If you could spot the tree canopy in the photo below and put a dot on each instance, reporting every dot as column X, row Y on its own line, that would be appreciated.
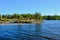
column 30, row 16
column 27, row 16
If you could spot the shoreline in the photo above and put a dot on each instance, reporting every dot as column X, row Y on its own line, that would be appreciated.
column 21, row 22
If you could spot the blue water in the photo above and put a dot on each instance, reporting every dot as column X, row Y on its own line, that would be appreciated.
column 48, row 30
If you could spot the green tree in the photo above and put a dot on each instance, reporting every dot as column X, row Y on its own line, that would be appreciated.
column 37, row 16
column 15, row 16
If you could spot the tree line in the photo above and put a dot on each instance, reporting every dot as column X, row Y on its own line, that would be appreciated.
column 30, row 16
column 54, row 17
column 22, row 16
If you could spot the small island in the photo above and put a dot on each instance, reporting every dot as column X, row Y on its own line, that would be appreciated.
column 26, row 18
column 21, row 18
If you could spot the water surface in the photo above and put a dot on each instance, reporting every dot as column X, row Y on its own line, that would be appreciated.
column 48, row 30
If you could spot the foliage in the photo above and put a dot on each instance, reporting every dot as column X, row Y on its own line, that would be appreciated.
column 27, row 16
column 54, row 17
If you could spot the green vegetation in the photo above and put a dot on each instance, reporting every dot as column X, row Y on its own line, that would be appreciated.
column 36, row 17
column 54, row 17
column 22, row 16
column 29, row 16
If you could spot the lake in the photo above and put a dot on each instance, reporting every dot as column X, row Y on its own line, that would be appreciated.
column 47, row 30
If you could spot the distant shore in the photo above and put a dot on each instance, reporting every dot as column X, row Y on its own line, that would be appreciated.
column 21, row 18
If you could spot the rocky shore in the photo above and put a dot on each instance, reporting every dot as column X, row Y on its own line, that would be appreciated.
column 20, row 21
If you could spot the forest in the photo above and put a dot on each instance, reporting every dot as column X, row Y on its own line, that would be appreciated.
column 29, row 16
column 22, row 16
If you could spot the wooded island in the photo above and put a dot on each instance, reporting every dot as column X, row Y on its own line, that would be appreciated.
column 21, row 18
column 27, row 18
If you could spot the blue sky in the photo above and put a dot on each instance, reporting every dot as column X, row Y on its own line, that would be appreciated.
column 45, row 7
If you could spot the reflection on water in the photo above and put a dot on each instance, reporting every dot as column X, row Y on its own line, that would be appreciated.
column 44, row 31
column 38, row 28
